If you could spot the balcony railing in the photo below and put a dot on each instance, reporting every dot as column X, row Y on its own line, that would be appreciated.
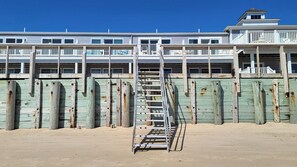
column 196, row 52
column 263, row 70
column 261, row 37
column 288, row 37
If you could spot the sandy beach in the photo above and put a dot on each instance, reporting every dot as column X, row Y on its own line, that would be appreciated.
column 194, row 145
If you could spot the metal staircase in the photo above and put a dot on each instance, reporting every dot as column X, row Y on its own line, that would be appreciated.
column 151, row 117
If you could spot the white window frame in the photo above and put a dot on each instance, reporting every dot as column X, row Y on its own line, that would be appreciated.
column 96, row 69
column 293, row 63
column 199, row 71
column 70, row 39
column 16, row 38
column 52, row 38
column 109, row 38
column 210, row 38
column 193, row 39
column 149, row 38
column 96, row 39
column 170, row 39
column 68, row 69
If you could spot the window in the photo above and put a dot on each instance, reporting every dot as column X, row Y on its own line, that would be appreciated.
column 11, row 70
column 68, row 70
column 256, row 17
column 48, row 70
column 19, row 41
column 57, row 41
column 108, row 41
column 46, row 41
column 10, row 40
column 193, row 41
column 68, row 41
column 95, row 70
column 1, row 40
column 96, row 41
column 113, row 70
column 294, row 67
column 248, row 64
column 118, row 41
column 14, row 40
column 165, row 41
column 68, row 51
column 194, row 70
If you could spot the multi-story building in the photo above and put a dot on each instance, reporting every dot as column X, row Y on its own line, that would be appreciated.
column 61, row 53
column 257, row 50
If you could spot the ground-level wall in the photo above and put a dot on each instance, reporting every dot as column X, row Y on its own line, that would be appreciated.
column 33, row 110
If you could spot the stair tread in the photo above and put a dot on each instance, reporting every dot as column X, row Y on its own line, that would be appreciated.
column 151, row 136
column 151, row 145
column 149, row 120
column 151, row 127
column 149, row 113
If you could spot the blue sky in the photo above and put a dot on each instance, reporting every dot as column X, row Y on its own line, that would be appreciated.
column 135, row 15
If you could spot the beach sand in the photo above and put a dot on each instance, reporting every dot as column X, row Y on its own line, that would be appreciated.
column 240, row 145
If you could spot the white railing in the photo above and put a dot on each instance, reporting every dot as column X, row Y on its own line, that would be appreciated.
column 167, row 123
column 198, row 52
column 261, row 37
column 288, row 37
column 263, row 70
column 135, row 75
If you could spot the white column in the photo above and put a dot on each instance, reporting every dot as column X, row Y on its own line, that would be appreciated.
column 130, row 68
column 276, row 37
column 289, row 63
column 252, row 61
column 76, row 68
column 22, row 67
column 247, row 36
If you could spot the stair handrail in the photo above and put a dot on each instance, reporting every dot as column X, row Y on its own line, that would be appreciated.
column 167, row 123
column 135, row 75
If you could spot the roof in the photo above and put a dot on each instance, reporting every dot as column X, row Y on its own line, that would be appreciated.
column 114, row 33
column 262, row 27
column 252, row 10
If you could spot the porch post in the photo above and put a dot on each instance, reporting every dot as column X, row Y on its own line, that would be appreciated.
column 22, row 67
column 76, row 68
column 284, row 70
column 252, row 61
column 258, row 62
column 289, row 63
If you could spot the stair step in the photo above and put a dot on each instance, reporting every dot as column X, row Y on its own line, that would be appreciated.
column 145, row 86
column 149, row 113
column 151, row 136
column 149, row 90
column 154, row 107
column 149, row 120
column 150, row 95
column 149, row 76
column 151, row 145
column 151, row 127
column 151, row 80
column 149, row 101
column 148, row 72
